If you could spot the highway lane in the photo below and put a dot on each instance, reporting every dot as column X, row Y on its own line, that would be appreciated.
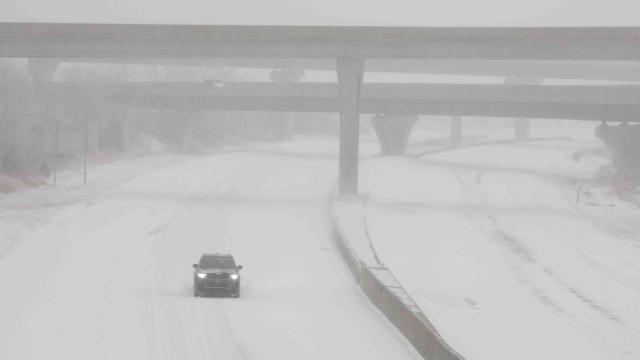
column 111, row 277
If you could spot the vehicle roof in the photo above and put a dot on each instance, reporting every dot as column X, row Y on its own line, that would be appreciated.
column 216, row 255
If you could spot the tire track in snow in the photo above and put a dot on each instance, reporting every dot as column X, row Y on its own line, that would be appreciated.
column 241, row 350
column 507, row 241
column 615, row 326
column 527, row 265
column 147, row 309
column 516, row 247
column 207, row 334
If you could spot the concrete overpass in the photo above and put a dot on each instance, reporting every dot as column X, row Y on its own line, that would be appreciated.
column 348, row 46
column 208, row 41
column 404, row 101
column 626, row 71
column 575, row 102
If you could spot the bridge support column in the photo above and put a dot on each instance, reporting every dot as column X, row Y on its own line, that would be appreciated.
column 522, row 126
column 350, row 73
column 522, row 129
column 42, row 70
column 393, row 132
column 284, row 121
column 456, row 130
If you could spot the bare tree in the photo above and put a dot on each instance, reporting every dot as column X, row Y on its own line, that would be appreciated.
column 14, row 95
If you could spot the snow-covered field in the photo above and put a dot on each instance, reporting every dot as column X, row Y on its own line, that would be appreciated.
column 503, row 257
column 104, row 272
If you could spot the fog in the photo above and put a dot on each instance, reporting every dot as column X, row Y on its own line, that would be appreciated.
column 332, row 12
column 244, row 192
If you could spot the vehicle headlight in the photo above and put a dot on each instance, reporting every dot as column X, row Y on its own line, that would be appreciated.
column 202, row 275
column 234, row 276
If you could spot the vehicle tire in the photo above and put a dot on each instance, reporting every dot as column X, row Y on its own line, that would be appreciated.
column 236, row 294
column 195, row 292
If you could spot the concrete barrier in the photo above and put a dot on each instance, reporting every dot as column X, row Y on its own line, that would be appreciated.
column 388, row 295
column 349, row 256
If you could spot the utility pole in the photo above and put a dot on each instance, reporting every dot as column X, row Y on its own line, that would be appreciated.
column 350, row 72
column 55, row 151
column 86, row 145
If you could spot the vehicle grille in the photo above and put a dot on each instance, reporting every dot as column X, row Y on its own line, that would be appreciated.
column 217, row 280
column 217, row 284
column 218, row 276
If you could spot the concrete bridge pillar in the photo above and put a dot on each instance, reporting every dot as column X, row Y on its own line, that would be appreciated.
column 42, row 70
column 522, row 126
column 284, row 121
column 522, row 129
column 393, row 132
column 111, row 134
column 350, row 72
column 456, row 130
column 624, row 143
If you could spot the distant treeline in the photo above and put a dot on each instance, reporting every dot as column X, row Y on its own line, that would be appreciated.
column 624, row 143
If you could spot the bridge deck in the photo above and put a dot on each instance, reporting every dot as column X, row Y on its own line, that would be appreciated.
column 202, row 41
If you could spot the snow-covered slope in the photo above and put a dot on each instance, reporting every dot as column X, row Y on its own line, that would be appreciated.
column 109, row 276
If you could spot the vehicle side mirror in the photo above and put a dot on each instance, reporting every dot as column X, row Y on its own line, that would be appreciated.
column 239, row 267
column 195, row 266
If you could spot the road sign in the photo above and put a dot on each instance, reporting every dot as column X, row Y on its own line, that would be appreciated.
column 66, row 137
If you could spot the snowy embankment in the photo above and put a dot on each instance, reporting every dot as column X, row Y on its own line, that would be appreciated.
column 503, row 257
column 24, row 211
column 13, row 183
column 106, row 271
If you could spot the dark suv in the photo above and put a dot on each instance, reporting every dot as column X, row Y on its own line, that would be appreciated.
column 216, row 274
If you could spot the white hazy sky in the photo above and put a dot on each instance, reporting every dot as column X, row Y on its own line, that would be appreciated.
column 331, row 12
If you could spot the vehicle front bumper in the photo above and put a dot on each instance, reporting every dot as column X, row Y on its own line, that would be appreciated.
column 212, row 286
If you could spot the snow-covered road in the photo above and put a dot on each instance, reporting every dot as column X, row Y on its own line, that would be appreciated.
column 492, row 245
column 109, row 277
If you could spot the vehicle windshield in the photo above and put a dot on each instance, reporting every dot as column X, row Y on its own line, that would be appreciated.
column 219, row 262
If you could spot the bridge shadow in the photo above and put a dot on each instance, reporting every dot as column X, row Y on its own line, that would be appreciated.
column 457, row 208
column 469, row 166
column 267, row 201
column 220, row 199
column 289, row 154
column 548, row 174
column 446, row 141
column 446, row 147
